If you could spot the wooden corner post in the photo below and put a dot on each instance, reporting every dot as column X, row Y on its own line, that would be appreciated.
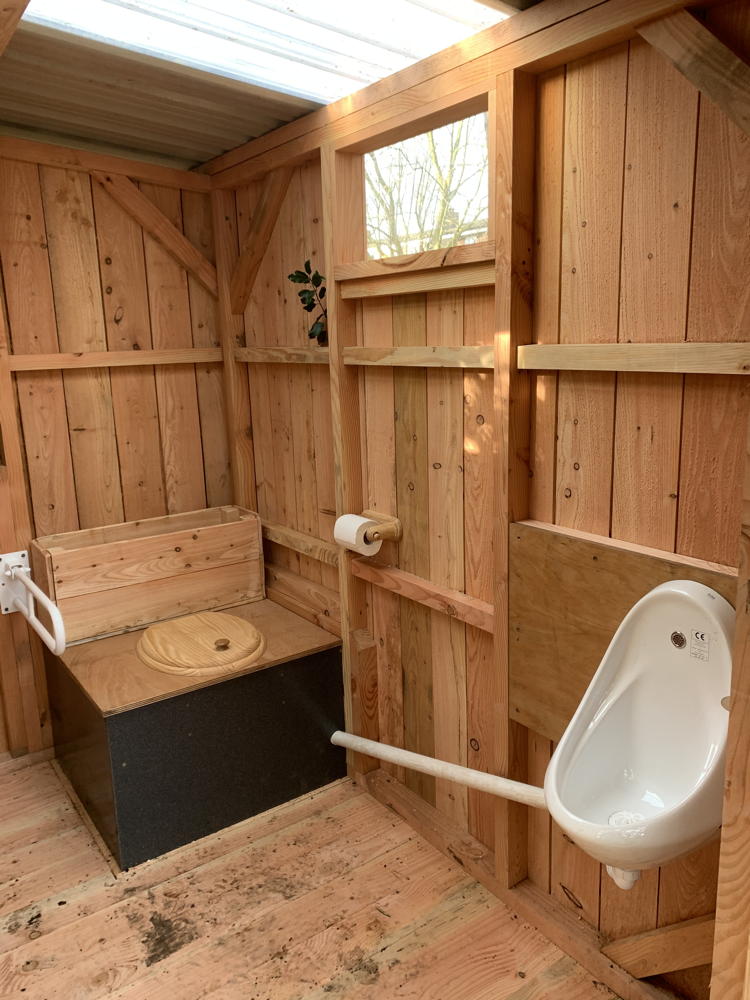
column 512, row 118
column 731, row 952
column 344, row 236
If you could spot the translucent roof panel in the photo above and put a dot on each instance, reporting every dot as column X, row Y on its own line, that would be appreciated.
column 319, row 51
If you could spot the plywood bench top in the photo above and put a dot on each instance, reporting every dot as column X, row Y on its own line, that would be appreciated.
column 116, row 680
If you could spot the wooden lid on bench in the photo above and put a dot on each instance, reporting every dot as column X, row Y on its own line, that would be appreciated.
column 209, row 642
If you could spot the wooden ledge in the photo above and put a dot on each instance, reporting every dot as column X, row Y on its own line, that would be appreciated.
column 428, row 260
column 282, row 355
column 422, row 357
column 461, row 275
column 680, row 358
column 113, row 359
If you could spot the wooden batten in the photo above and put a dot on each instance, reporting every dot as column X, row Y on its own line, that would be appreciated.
column 666, row 949
column 713, row 68
column 261, row 226
column 421, row 357
column 154, row 222
column 282, row 355
column 112, row 359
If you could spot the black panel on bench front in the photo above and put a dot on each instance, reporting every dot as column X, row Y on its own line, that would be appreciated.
column 190, row 765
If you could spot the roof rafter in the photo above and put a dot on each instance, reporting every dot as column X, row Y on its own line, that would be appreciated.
column 11, row 13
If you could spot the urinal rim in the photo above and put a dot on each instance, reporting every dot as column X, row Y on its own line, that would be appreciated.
column 723, row 615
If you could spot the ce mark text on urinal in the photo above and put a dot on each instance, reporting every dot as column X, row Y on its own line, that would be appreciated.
column 700, row 645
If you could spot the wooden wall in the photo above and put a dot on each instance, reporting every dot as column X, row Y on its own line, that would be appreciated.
column 641, row 219
column 642, row 235
column 79, row 274
column 641, row 225
column 291, row 403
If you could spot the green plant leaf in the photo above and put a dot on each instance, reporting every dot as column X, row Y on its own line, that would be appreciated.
column 308, row 267
column 309, row 306
column 299, row 277
column 322, row 292
column 317, row 281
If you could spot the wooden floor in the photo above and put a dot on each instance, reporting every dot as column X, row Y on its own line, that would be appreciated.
column 328, row 896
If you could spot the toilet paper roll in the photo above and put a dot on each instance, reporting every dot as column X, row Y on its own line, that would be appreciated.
column 349, row 531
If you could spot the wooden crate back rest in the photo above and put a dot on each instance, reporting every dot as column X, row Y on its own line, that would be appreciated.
column 569, row 591
column 120, row 577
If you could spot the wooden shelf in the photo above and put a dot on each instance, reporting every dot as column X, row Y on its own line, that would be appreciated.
column 433, row 280
column 421, row 357
column 679, row 358
column 429, row 260
column 113, row 359
column 282, row 355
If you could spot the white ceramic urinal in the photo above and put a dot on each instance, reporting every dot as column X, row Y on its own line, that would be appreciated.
column 637, row 778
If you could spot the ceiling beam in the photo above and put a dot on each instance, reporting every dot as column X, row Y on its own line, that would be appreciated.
column 11, row 12
column 509, row 8
column 705, row 61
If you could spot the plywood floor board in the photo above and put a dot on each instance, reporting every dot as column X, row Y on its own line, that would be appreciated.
column 329, row 895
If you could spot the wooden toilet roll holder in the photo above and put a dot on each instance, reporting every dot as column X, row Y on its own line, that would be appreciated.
column 388, row 530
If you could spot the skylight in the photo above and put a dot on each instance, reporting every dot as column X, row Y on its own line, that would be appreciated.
column 319, row 51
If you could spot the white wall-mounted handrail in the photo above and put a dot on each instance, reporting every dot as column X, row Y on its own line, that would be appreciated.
column 505, row 788
column 19, row 593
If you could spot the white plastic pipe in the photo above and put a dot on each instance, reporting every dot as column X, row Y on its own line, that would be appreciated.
column 505, row 788
column 54, row 641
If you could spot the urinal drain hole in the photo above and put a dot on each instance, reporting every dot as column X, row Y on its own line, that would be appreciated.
column 625, row 817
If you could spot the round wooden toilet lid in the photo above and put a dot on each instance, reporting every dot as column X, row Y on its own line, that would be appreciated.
column 209, row 642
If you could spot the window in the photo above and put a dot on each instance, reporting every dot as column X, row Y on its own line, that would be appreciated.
column 429, row 192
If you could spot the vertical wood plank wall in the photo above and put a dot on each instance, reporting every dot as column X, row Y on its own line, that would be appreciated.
column 291, row 404
column 642, row 235
column 641, row 211
column 105, row 445
column 642, row 200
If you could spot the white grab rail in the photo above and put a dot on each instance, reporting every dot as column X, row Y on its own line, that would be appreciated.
column 517, row 791
column 18, row 592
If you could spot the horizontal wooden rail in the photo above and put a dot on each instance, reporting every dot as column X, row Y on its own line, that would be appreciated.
column 429, row 260
column 113, row 359
column 306, row 598
column 666, row 949
column 306, row 545
column 421, row 357
column 451, row 602
column 701, row 359
column 282, row 355
column 434, row 280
